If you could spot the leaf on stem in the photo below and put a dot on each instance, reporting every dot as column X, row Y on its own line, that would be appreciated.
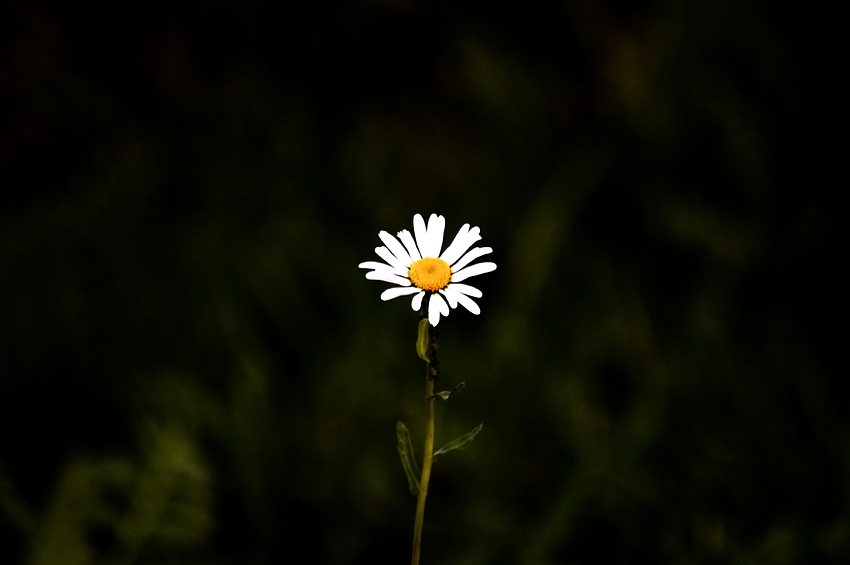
column 446, row 394
column 422, row 340
column 458, row 443
column 405, row 451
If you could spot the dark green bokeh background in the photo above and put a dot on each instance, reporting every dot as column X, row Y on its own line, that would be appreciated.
column 194, row 371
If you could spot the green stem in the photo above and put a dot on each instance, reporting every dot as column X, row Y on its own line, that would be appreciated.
column 428, row 458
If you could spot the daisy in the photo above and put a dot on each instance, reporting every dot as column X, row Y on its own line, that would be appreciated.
column 418, row 267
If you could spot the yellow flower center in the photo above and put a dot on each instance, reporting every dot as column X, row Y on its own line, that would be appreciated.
column 430, row 274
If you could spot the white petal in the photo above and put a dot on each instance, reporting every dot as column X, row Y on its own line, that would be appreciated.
column 434, row 238
column 470, row 257
column 451, row 297
column 465, row 289
column 391, row 293
column 387, row 277
column 436, row 307
column 468, row 303
column 396, row 248
column 375, row 265
column 459, row 245
column 416, row 303
column 477, row 269
column 421, row 233
column 385, row 270
column 441, row 304
column 410, row 245
column 392, row 260
column 469, row 238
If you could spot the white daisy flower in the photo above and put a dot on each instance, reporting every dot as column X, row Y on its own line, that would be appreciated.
column 418, row 267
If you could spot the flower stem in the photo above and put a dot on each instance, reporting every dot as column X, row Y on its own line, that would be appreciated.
column 428, row 458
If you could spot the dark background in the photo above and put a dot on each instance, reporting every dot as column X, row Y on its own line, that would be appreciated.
column 194, row 371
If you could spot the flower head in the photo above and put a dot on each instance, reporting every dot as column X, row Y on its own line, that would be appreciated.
column 418, row 267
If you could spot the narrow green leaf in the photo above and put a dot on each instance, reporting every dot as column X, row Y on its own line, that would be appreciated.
column 458, row 443
column 405, row 451
column 422, row 342
column 446, row 394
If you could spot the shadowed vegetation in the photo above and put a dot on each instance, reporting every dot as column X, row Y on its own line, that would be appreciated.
column 194, row 371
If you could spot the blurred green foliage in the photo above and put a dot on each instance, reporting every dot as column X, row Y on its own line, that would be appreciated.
column 194, row 371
